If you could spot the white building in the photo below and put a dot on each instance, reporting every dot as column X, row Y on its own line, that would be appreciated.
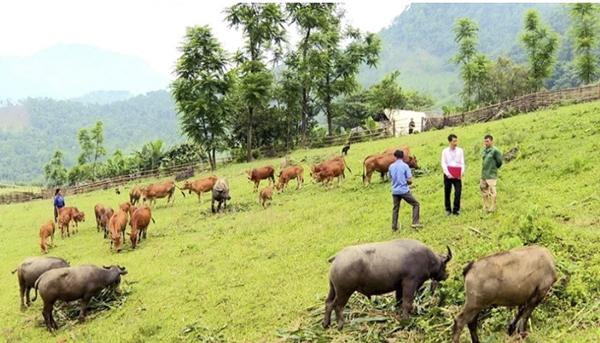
column 401, row 118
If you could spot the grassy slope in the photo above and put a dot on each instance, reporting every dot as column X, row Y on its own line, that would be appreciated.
column 258, row 270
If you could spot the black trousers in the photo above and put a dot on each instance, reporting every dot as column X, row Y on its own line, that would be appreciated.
column 448, row 183
column 409, row 198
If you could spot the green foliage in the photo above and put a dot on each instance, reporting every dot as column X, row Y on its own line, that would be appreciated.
column 585, row 18
column 386, row 94
column 201, row 90
column 534, row 228
column 541, row 44
column 54, row 171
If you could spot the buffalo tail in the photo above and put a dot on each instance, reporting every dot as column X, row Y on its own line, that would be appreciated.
column 467, row 268
column 35, row 286
column 14, row 271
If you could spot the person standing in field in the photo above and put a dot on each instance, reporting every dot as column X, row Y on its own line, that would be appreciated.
column 411, row 126
column 453, row 165
column 401, row 177
column 59, row 202
column 492, row 161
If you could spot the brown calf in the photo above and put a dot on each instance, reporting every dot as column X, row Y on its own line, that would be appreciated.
column 139, row 224
column 47, row 230
column 200, row 186
column 134, row 195
column 290, row 173
column 264, row 195
column 117, row 225
column 258, row 174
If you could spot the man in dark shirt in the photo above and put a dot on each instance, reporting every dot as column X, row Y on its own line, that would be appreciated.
column 59, row 202
column 492, row 161
column 402, row 177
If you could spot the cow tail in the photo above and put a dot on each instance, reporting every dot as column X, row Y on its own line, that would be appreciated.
column 153, row 220
column 346, row 165
column 35, row 286
column 364, row 168
column 467, row 268
column 179, row 189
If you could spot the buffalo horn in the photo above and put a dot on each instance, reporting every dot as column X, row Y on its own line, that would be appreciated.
column 449, row 257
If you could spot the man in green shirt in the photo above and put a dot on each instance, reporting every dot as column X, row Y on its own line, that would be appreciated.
column 492, row 160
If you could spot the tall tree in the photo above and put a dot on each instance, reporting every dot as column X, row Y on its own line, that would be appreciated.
column 541, row 44
column 201, row 90
column 585, row 31
column 474, row 69
column 91, row 146
column 313, row 21
column 54, row 171
column 263, row 30
column 508, row 80
column 387, row 94
column 340, row 65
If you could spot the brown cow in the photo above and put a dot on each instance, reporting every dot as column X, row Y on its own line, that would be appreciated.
column 134, row 195
column 339, row 160
column 378, row 163
column 290, row 173
column 410, row 160
column 327, row 173
column 73, row 214
column 200, row 186
column 264, row 195
column 64, row 218
column 99, row 211
column 139, row 224
column 47, row 230
column 257, row 174
column 117, row 225
column 161, row 190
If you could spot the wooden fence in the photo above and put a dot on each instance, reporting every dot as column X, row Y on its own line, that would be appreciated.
column 526, row 103
column 19, row 197
column 327, row 141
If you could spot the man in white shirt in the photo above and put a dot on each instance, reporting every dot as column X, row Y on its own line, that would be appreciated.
column 453, row 165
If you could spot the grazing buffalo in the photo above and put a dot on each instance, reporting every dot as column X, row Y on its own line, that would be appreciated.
column 220, row 194
column 377, row 163
column 134, row 195
column 47, row 230
column 290, row 173
column 161, row 190
column 117, row 226
column 257, row 174
column 519, row 277
column 31, row 269
column 401, row 265
column 140, row 219
column 200, row 186
column 408, row 159
column 74, row 283
column 264, row 195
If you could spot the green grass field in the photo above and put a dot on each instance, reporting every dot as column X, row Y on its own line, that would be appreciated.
column 245, row 274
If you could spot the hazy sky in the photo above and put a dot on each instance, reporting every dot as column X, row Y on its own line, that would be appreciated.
column 151, row 29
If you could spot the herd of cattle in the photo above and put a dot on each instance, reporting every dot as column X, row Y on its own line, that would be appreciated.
column 519, row 277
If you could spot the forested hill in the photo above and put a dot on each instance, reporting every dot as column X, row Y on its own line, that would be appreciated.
column 420, row 42
column 32, row 131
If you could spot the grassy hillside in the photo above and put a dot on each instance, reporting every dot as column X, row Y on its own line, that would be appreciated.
column 245, row 274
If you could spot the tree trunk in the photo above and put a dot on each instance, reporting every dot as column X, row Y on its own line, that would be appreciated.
column 212, row 160
column 328, row 110
column 304, row 116
column 249, row 136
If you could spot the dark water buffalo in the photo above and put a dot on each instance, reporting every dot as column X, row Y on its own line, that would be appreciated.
column 74, row 283
column 401, row 265
column 520, row 277
column 31, row 269
column 220, row 194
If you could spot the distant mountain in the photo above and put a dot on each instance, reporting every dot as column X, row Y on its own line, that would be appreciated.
column 103, row 97
column 420, row 42
column 69, row 71
column 33, row 129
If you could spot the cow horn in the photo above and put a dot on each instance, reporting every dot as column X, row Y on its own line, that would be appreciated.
column 449, row 257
